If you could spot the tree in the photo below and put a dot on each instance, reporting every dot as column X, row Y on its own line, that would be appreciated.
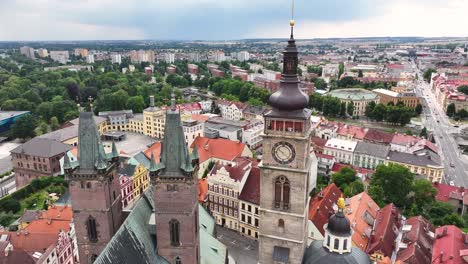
column 348, row 182
column 369, row 108
column 423, row 132
column 320, row 84
column 418, row 110
column 428, row 74
column 340, row 69
column 343, row 109
column 54, row 123
column 315, row 69
column 24, row 127
column 451, row 110
column 316, row 101
column 462, row 113
column 395, row 182
column 360, row 74
column 463, row 89
column 350, row 108
column 422, row 195
column 136, row 103
column 331, row 106
column 11, row 205
column 379, row 113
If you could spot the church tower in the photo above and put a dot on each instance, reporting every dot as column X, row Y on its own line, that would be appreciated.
column 175, row 182
column 94, row 190
column 288, row 169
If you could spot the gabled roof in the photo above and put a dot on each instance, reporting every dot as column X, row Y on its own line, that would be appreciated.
column 361, row 212
column 202, row 190
column 446, row 192
column 219, row 148
column 372, row 149
column 321, row 206
column 236, row 171
column 386, row 229
column 58, row 213
column 353, row 131
column 42, row 147
column 16, row 256
column 378, row 136
column 449, row 246
column 419, row 240
column 155, row 148
column 251, row 191
column 29, row 215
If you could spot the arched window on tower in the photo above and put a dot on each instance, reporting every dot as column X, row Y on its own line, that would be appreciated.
column 178, row 260
column 92, row 229
column 282, row 193
column 337, row 243
column 174, row 228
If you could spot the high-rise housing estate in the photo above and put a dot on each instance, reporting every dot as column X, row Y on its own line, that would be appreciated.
column 243, row 56
column 60, row 56
column 116, row 58
column 94, row 190
column 169, row 57
column 288, row 171
column 195, row 56
column 42, row 53
column 142, row 56
column 81, row 52
column 219, row 56
column 27, row 51
column 90, row 58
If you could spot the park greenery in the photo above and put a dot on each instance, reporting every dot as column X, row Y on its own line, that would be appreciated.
column 452, row 112
column 34, row 196
column 348, row 182
column 397, row 114
column 428, row 73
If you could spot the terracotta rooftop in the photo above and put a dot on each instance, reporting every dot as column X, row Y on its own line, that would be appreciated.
column 419, row 240
column 353, row 131
column 251, row 191
column 378, row 136
column 321, row 206
column 16, row 257
column 219, row 148
column 236, row 171
column 199, row 118
column 156, row 150
column 202, row 190
column 60, row 213
column 361, row 212
column 449, row 245
column 386, row 229
column 402, row 139
column 446, row 192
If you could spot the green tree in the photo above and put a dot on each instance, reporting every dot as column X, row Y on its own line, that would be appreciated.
column 418, row 110
column 379, row 113
column 136, row 103
column 451, row 110
column 340, row 69
column 360, row 74
column 24, row 127
column 428, row 73
column 423, row 132
column 331, row 106
column 463, row 89
column 11, row 205
column 355, row 187
column 344, row 177
column 462, row 113
column 316, row 101
column 395, row 182
column 369, row 108
column 54, row 123
column 343, row 109
column 320, row 84
column 315, row 69
column 350, row 108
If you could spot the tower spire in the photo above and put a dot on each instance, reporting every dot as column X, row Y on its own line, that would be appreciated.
column 291, row 22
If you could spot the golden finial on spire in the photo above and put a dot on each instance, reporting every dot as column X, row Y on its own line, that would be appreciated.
column 341, row 203
column 292, row 22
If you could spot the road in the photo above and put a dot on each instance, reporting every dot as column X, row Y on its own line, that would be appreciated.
column 435, row 119
column 243, row 250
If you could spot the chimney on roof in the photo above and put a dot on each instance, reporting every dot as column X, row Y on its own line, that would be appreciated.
column 152, row 100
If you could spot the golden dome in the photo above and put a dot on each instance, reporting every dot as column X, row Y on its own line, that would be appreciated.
column 291, row 22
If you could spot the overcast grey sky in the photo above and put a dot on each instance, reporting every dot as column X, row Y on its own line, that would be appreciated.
column 227, row 19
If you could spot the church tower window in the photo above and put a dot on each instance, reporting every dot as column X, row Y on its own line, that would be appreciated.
column 92, row 229
column 282, row 193
column 174, row 227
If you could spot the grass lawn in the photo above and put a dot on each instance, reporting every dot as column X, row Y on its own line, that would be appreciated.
column 35, row 201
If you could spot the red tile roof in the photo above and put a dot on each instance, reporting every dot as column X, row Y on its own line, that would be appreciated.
column 199, row 118
column 219, row 148
column 251, row 191
column 202, row 190
column 448, row 245
column 419, row 241
column 446, row 192
column 378, row 136
column 353, row 131
column 386, row 228
column 321, row 206
column 324, row 156
column 361, row 212
column 155, row 149
column 318, row 143
column 402, row 139
column 237, row 171
column 63, row 213
column 16, row 257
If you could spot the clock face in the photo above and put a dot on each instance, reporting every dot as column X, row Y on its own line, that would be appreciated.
column 283, row 152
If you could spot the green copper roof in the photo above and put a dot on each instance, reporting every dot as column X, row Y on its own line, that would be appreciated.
column 194, row 155
column 211, row 250
column 66, row 162
column 174, row 154
column 88, row 142
column 153, row 165
column 101, row 162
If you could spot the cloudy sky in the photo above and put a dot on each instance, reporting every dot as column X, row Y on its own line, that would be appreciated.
column 227, row 19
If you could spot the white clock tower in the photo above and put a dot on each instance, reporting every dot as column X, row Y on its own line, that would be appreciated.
column 288, row 169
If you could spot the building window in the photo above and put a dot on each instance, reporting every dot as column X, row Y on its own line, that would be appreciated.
column 282, row 188
column 281, row 223
column 328, row 241
column 92, row 229
column 174, row 227
column 178, row 260
column 88, row 185
column 337, row 243
column 345, row 244
column 256, row 222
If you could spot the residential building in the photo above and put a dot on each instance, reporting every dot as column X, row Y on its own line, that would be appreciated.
column 249, row 200
column 94, row 190
column 252, row 134
column 219, row 56
column 450, row 245
column 169, row 57
column 321, row 206
column 455, row 196
column 42, row 53
column 416, row 243
column 192, row 69
column 28, row 52
column 81, row 52
column 231, row 110
column 386, row 229
column 423, row 163
column 37, row 157
column 350, row 132
column 369, row 155
column 195, row 57
column 341, row 149
column 192, row 129
column 90, row 58
column 59, row 56
column 378, row 136
column 126, row 184
column 409, row 99
column 361, row 211
column 360, row 98
column 116, row 58
column 8, row 118
column 153, row 121
column 325, row 163
column 243, row 56
column 225, row 183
